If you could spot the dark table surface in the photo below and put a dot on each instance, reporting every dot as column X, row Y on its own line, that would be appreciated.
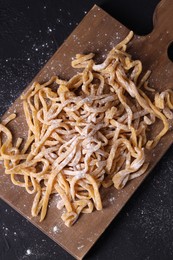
column 30, row 32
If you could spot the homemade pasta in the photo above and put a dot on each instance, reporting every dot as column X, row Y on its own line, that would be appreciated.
column 84, row 133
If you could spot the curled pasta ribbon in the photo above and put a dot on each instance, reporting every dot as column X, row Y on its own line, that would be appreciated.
column 84, row 133
column 164, row 101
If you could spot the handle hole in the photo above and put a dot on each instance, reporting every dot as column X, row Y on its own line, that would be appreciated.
column 136, row 15
column 170, row 51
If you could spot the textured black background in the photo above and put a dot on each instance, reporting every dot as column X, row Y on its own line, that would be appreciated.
column 30, row 32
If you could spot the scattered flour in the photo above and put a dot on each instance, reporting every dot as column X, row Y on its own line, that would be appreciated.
column 80, row 247
column 56, row 229
column 28, row 252
column 112, row 199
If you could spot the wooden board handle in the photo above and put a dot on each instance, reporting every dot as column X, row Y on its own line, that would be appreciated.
column 163, row 25
column 152, row 49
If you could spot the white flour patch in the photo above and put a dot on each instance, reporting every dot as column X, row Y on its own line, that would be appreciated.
column 80, row 247
column 28, row 252
column 56, row 229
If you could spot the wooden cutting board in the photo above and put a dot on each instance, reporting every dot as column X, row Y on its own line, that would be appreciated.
column 98, row 32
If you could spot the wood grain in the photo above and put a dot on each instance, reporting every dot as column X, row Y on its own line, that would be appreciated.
column 98, row 32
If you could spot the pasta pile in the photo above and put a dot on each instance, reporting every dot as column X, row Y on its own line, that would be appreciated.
column 84, row 133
